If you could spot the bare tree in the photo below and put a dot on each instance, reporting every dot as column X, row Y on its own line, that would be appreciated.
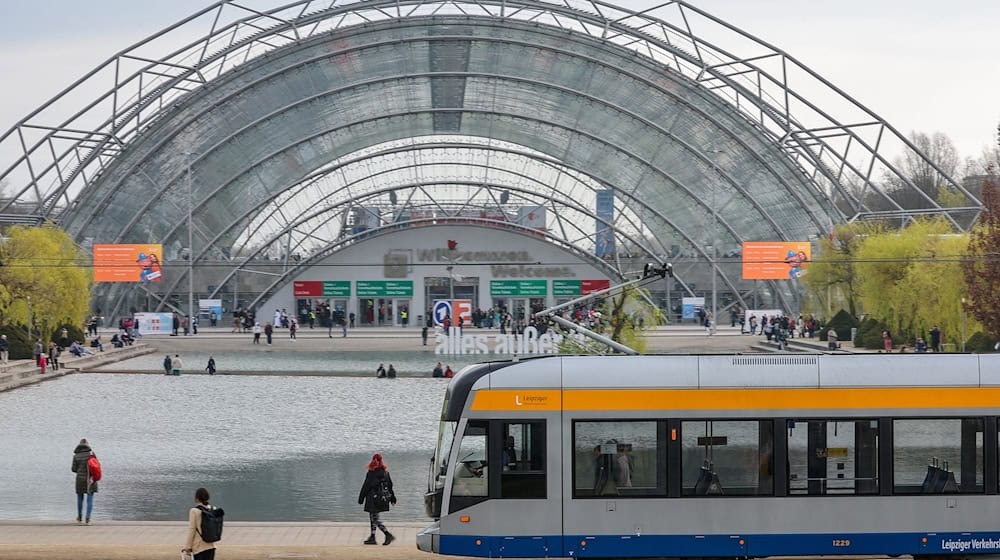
column 940, row 153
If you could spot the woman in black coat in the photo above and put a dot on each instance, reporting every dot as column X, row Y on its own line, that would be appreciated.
column 376, row 494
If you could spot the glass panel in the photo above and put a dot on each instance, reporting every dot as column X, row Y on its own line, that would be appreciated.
column 728, row 457
column 523, row 460
column 832, row 457
column 471, row 469
column 938, row 456
column 446, row 437
column 617, row 458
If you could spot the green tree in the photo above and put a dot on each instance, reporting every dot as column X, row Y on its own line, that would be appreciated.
column 982, row 268
column 908, row 278
column 43, row 264
column 832, row 274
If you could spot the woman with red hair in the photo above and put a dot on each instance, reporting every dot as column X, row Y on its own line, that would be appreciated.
column 377, row 494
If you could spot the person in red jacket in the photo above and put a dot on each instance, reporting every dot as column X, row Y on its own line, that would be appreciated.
column 448, row 372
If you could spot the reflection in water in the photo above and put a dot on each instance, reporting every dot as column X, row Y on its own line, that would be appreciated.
column 268, row 448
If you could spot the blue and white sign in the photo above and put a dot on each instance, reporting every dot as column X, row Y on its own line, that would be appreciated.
column 442, row 309
column 690, row 307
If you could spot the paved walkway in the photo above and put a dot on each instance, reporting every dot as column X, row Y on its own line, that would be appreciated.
column 153, row 540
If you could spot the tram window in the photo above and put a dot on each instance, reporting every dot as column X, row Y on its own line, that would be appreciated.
column 938, row 456
column 523, row 460
column 471, row 468
column 618, row 458
column 827, row 456
column 727, row 457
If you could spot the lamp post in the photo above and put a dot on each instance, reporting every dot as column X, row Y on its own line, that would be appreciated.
column 190, row 220
column 28, row 299
column 963, row 324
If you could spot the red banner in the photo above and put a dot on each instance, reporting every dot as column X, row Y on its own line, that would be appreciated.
column 307, row 289
column 591, row 286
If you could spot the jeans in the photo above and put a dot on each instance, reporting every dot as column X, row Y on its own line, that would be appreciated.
column 79, row 504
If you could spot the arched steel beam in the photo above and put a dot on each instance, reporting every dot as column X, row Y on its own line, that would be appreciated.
column 818, row 197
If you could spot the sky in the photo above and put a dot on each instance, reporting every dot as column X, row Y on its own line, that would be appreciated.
column 922, row 65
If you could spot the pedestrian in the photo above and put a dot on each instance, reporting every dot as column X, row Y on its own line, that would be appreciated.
column 268, row 332
column 186, row 325
column 921, row 346
column 177, row 365
column 292, row 328
column 935, row 339
column 64, row 337
column 438, row 371
column 4, row 348
column 175, row 323
column 832, row 340
column 380, row 372
column 43, row 361
column 256, row 333
column 194, row 325
column 168, row 365
column 211, row 365
column 377, row 495
column 423, row 334
column 212, row 317
column 343, row 326
column 38, row 352
column 85, row 483
column 352, row 316
column 195, row 545
column 448, row 372
column 886, row 340
column 391, row 374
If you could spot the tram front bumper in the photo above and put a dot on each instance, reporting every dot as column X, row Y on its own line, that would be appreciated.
column 428, row 539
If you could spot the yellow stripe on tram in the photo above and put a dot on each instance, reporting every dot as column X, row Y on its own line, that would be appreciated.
column 737, row 399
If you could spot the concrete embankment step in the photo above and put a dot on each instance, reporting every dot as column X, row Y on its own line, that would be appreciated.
column 25, row 372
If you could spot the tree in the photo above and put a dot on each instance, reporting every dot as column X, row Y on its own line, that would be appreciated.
column 982, row 268
column 44, row 264
column 940, row 151
column 908, row 278
column 832, row 274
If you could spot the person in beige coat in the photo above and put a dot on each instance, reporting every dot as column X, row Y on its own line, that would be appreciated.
column 200, row 549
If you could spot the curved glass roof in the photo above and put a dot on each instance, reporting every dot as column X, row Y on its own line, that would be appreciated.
column 445, row 113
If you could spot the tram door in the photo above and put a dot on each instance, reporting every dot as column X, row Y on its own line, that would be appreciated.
column 524, row 490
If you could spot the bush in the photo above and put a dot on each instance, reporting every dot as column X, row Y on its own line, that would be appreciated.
column 75, row 333
column 842, row 323
column 20, row 345
column 864, row 331
column 980, row 343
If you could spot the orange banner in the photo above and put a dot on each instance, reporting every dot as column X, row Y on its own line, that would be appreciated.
column 775, row 260
column 127, row 263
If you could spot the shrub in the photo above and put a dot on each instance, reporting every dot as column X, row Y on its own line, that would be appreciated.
column 74, row 332
column 865, row 329
column 842, row 323
column 20, row 345
column 980, row 343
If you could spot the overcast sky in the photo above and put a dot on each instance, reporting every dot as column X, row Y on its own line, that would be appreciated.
column 922, row 65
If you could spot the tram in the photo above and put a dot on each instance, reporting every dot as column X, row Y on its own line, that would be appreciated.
column 718, row 456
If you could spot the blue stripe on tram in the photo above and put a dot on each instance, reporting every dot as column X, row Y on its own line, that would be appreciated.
column 602, row 546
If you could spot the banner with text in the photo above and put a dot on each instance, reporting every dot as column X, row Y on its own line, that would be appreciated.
column 775, row 260
column 154, row 323
column 128, row 263
column 577, row 288
column 325, row 288
column 384, row 288
column 519, row 288
column 690, row 307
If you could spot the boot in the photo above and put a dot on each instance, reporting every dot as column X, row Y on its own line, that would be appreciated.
column 371, row 539
column 388, row 538
column 79, row 519
column 88, row 521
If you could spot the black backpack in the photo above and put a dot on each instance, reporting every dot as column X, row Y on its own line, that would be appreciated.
column 381, row 494
column 211, row 524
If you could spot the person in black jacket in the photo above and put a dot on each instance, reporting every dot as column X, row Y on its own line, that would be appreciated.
column 376, row 494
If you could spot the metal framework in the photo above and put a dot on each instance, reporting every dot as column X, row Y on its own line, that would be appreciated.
column 710, row 115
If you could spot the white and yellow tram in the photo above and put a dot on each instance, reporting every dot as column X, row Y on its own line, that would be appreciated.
column 718, row 456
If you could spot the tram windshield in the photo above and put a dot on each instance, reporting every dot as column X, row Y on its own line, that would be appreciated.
column 446, row 437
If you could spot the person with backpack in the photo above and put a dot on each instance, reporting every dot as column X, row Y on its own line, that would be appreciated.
column 377, row 495
column 88, row 472
column 204, row 527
